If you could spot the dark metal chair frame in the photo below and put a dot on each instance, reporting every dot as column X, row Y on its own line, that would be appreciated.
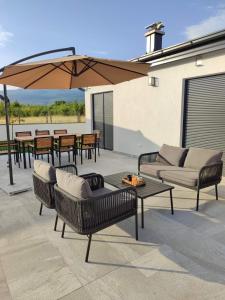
column 89, row 216
column 210, row 175
column 59, row 147
column 35, row 150
column 44, row 190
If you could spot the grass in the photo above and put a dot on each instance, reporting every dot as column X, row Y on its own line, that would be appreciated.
column 45, row 120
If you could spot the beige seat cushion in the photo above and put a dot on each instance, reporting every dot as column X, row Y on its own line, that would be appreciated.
column 186, row 176
column 74, row 185
column 171, row 155
column 45, row 170
column 198, row 158
column 155, row 168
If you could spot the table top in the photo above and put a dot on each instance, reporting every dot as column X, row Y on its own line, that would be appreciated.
column 152, row 187
column 31, row 138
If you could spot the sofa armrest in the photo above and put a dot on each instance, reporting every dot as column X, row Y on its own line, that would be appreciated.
column 146, row 158
column 44, row 190
column 210, row 174
column 93, row 214
column 96, row 181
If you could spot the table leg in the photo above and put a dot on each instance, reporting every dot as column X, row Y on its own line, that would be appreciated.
column 171, row 202
column 24, row 156
column 142, row 213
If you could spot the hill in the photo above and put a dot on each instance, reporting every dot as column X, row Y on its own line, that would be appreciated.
column 45, row 97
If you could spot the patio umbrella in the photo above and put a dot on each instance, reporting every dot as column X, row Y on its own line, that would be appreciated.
column 73, row 71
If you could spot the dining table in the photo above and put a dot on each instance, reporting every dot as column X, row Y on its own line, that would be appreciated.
column 24, row 140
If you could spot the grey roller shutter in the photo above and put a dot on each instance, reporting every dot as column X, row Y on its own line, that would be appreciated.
column 204, row 113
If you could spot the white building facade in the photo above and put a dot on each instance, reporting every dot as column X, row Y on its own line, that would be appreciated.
column 145, row 116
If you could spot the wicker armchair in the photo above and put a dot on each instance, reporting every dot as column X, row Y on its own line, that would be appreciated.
column 89, row 216
column 44, row 190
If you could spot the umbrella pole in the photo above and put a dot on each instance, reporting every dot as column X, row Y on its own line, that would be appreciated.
column 8, row 134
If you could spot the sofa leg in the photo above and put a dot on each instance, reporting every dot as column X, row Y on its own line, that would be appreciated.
column 136, row 226
column 197, row 200
column 63, row 229
column 88, row 247
column 216, row 190
column 56, row 221
column 40, row 211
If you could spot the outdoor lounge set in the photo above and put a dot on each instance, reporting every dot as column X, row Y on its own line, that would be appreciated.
column 83, row 203
column 194, row 168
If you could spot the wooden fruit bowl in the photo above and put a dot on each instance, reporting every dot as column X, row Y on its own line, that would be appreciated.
column 136, row 184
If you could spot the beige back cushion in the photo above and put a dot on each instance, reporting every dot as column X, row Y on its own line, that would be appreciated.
column 45, row 170
column 74, row 185
column 171, row 155
column 198, row 158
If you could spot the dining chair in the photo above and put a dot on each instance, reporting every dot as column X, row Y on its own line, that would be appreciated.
column 60, row 131
column 88, row 144
column 14, row 147
column 22, row 134
column 42, row 132
column 42, row 146
column 66, row 143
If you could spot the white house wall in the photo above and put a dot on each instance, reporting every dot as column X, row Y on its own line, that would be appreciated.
column 145, row 117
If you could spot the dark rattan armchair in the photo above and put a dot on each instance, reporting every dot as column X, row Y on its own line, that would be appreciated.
column 44, row 190
column 89, row 216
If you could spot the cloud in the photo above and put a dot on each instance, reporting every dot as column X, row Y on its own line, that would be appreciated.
column 5, row 36
column 211, row 24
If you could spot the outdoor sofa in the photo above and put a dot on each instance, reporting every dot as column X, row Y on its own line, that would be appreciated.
column 194, row 168
column 82, row 202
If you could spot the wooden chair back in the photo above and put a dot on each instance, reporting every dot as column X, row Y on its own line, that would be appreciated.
column 44, row 142
column 23, row 133
column 42, row 132
column 60, row 131
column 67, row 140
column 88, row 139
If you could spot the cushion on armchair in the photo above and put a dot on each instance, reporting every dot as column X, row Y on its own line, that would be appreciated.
column 73, row 184
column 171, row 155
column 44, row 170
column 199, row 157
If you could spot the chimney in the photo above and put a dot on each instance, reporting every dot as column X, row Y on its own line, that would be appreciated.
column 154, row 37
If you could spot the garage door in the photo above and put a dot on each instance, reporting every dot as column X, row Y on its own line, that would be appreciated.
column 204, row 113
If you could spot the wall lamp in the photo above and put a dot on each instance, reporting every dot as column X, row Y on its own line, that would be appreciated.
column 153, row 81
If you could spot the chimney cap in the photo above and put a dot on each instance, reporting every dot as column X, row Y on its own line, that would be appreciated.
column 155, row 26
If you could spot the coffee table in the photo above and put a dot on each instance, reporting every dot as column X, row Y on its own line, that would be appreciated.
column 151, row 188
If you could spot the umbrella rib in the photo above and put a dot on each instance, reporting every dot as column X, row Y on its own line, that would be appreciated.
column 20, row 72
column 117, row 67
column 59, row 67
column 87, row 66
column 39, row 78
column 66, row 67
column 90, row 67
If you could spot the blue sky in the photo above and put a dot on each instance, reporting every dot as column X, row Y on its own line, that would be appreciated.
column 104, row 28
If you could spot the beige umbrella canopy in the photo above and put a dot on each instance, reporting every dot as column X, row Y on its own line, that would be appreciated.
column 74, row 71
